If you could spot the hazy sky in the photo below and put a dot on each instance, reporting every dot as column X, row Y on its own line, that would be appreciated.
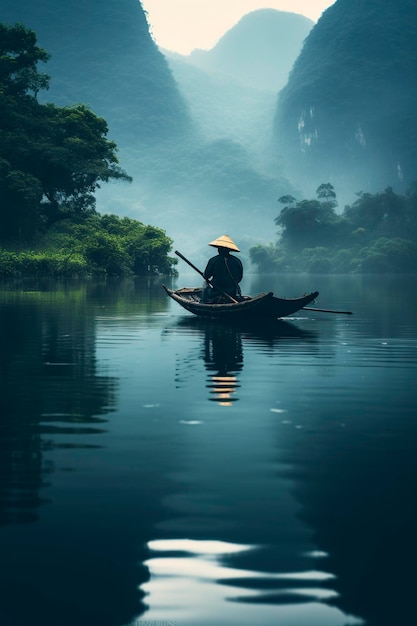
column 182, row 25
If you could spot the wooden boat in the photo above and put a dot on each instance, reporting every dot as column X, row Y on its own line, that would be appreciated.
column 264, row 306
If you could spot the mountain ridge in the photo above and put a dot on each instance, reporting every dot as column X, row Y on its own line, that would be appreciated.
column 231, row 89
column 248, row 51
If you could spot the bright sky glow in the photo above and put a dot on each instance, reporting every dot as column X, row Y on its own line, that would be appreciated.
column 182, row 25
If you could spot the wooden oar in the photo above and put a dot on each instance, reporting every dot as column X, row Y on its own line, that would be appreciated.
column 307, row 308
column 206, row 279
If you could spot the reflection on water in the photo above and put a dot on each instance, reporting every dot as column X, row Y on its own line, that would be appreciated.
column 223, row 357
column 184, row 571
column 47, row 367
column 68, row 565
column 235, row 537
column 154, row 466
column 223, row 350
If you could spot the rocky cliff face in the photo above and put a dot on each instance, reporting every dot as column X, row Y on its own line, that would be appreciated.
column 348, row 114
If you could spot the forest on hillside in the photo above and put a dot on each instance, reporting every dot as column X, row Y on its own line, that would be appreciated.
column 52, row 161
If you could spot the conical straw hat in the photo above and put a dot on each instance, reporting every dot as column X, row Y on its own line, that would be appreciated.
column 224, row 241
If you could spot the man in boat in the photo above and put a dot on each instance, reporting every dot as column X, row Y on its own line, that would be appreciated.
column 224, row 271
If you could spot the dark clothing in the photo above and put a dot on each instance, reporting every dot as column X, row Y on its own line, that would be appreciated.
column 225, row 272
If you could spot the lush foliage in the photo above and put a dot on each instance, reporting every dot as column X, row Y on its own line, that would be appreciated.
column 377, row 233
column 99, row 245
column 52, row 159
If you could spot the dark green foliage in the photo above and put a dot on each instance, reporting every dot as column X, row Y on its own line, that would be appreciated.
column 19, row 56
column 125, row 246
column 317, row 260
column 42, row 263
column 271, row 257
column 75, row 159
column 385, row 213
column 52, row 159
column 389, row 255
column 98, row 245
column 309, row 222
column 378, row 233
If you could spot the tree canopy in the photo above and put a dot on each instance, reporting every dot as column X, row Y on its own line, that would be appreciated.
column 377, row 233
column 52, row 159
column 19, row 57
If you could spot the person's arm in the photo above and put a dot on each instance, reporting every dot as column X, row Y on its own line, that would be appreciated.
column 240, row 271
column 237, row 269
column 208, row 272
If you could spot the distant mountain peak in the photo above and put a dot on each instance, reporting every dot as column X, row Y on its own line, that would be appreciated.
column 259, row 51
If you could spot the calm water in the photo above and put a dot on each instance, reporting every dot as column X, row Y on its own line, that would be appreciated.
column 156, row 469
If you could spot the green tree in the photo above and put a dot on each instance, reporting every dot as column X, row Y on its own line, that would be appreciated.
column 327, row 196
column 267, row 258
column 74, row 160
column 389, row 255
column 19, row 57
column 287, row 200
column 308, row 223
column 383, row 214
column 326, row 191
column 378, row 233
column 111, row 245
column 52, row 159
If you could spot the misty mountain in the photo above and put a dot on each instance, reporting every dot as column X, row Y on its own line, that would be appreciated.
column 192, row 186
column 231, row 89
column 259, row 51
column 348, row 114
column 224, row 108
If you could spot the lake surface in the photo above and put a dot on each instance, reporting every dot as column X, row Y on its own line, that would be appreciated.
column 158, row 469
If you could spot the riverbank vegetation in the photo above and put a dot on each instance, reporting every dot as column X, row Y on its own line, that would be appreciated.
column 99, row 245
column 376, row 234
column 52, row 161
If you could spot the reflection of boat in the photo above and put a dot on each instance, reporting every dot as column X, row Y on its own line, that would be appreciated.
column 266, row 334
column 265, row 306
column 222, row 348
column 223, row 356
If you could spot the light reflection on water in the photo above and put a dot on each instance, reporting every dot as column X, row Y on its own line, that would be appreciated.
column 230, row 492
column 162, row 468
column 186, row 574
